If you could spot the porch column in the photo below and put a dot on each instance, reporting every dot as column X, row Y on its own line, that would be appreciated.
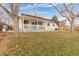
column 22, row 24
column 30, row 25
column 37, row 25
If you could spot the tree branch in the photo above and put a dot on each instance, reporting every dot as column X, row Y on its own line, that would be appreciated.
column 58, row 10
column 6, row 10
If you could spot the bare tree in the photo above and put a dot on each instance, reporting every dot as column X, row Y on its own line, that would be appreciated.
column 13, row 13
column 14, row 7
column 68, row 12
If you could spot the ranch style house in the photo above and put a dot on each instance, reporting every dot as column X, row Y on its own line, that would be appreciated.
column 30, row 23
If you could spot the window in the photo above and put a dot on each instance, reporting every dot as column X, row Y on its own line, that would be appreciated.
column 26, row 22
column 34, row 23
column 48, row 24
column 39, row 23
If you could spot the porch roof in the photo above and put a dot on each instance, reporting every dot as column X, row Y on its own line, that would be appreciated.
column 41, row 18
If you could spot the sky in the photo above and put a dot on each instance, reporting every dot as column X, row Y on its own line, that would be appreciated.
column 41, row 9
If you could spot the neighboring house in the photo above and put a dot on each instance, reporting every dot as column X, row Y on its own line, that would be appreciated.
column 29, row 23
column 6, row 27
column 62, row 27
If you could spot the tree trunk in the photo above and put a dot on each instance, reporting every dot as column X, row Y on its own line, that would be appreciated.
column 71, row 27
column 16, row 26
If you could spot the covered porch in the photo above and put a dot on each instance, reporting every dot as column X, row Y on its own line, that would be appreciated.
column 33, row 26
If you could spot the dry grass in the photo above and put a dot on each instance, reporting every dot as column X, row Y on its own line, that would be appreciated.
column 44, row 43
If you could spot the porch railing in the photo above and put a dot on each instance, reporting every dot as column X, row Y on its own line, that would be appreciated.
column 33, row 28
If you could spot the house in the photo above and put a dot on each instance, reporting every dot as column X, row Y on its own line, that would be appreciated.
column 29, row 23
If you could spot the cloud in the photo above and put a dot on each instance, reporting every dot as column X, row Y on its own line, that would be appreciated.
column 41, row 14
column 38, row 13
column 56, row 4
column 27, row 7
column 31, row 6
column 61, row 18
column 43, row 5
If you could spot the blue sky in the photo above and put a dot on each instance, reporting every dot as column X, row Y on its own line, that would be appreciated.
column 41, row 9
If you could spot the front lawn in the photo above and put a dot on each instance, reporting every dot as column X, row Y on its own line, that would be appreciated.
column 44, row 44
